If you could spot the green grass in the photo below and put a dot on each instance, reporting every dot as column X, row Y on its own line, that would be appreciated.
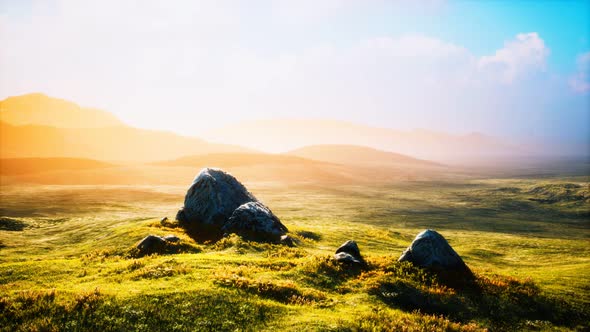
column 66, row 259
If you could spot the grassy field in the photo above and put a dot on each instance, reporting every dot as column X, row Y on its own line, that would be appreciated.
column 66, row 261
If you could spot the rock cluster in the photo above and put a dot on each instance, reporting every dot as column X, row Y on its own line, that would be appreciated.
column 430, row 249
column 217, row 203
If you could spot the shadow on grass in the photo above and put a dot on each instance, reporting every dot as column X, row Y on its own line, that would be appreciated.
column 325, row 273
column 217, row 310
column 502, row 303
column 9, row 224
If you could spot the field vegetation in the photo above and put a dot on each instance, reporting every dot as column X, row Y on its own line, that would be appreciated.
column 67, row 260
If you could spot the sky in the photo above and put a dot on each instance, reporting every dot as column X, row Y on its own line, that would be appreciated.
column 514, row 69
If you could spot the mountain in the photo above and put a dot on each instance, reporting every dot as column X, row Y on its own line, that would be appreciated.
column 120, row 143
column 39, row 109
column 35, row 125
column 287, row 134
column 359, row 156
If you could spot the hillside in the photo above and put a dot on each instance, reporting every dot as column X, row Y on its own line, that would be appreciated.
column 290, row 134
column 251, row 167
column 271, row 167
column 39, row 109
column 35, row 125
column 109, row 143
column 359, row 155
column 17, row 166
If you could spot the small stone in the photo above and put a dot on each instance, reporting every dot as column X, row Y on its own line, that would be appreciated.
column 430, row 249
column 349, row 253
column 164, row 219
column 151, row 244
column 288, row 241
column 171, row 238
column 344, row 257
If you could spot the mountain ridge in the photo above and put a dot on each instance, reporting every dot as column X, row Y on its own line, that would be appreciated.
column 291, row 134
column 40, row 109
column 358, row 155
column 120, row 143
column 36, row 125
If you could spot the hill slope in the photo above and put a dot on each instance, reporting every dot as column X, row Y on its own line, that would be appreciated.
column 39, row 109
column 224, row 160
column 271, row 167
column 16, row 166
column 109, row 143
column 358, row 155
column 289, row 134
column 35, row 125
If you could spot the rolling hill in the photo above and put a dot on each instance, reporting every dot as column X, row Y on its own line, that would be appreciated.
column 272, row 167
column 282, row 135
column 294, row 169
column 109, row 143
column 35, row 125
column 19, row 166
column 359, row 156
column 224, row 160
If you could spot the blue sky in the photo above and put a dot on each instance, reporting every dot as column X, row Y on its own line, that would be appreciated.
column 481, row 26
column 505, row 68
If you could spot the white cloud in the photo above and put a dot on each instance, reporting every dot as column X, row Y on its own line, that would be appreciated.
column 526, row 53
column 580, row 82
column 203, row 64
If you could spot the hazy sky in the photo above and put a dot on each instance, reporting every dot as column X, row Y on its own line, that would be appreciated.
column 506, row 68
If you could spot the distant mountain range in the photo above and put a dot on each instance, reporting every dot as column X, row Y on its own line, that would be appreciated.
column 39, row 109
column 39, row 126
column 359, row 156
column 48, row 140
column 288, row 134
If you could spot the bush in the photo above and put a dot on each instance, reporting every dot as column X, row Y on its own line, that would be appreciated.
column 287, row 293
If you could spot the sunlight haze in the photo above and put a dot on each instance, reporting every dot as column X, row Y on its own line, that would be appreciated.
column 294, row 165
column 196, row 66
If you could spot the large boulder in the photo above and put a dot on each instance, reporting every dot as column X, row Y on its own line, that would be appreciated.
column 349, row 253
column 430, row 249
column 210, row 201
column 254, row 221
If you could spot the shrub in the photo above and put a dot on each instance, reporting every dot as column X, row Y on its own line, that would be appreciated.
column 287, row 293
column 93, row 311
column 501, row 302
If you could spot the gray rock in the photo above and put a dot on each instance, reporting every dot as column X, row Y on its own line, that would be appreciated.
column 171, row 238
column 164, row 219
column 151, row 244
column 254, row 221
column 344, row 257
column 349, row 252
column 430, row 249
column 211, row 200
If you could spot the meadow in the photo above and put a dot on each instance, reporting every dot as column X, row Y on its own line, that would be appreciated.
column 67, row 259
